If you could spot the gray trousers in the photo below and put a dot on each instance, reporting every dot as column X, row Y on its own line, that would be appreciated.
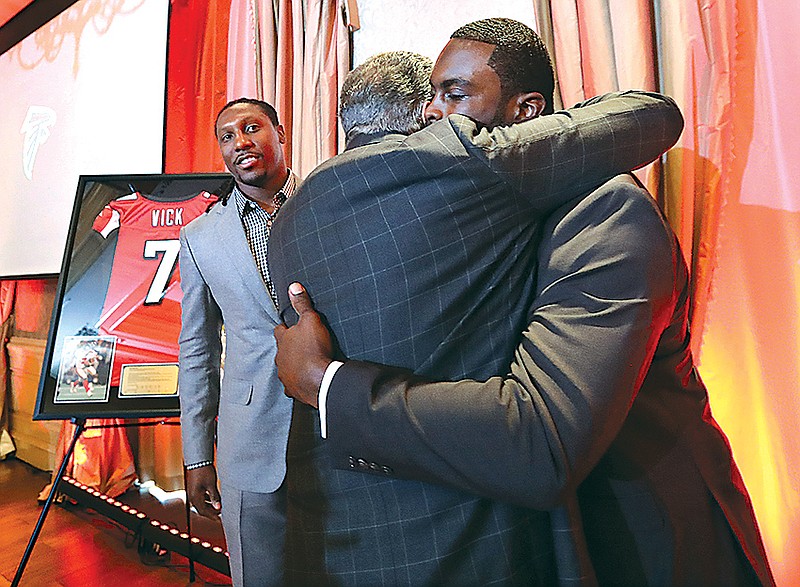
column 255, row 526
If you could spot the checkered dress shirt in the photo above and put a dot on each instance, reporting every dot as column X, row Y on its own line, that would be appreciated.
column 257, row 223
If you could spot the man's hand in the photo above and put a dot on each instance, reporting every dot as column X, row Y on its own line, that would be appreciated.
column 304, row 351
column 201, row 489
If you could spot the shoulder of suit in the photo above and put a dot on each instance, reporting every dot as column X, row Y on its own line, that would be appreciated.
column 622, row 200
column 618, row 197
column 627, row 188
column 207, row 219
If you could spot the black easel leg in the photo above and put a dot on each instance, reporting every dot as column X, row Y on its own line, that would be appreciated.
column 188, row 528
column 79, row 423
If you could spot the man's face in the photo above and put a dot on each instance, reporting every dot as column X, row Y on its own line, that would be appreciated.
column 250, row 144
column 463, row 83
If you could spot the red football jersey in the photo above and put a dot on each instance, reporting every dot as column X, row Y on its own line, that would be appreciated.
column 142, row 305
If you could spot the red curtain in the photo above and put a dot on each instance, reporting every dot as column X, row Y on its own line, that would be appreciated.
column 101, row 459
column 196, row 82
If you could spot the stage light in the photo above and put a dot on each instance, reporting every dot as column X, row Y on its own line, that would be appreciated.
column 209, row 554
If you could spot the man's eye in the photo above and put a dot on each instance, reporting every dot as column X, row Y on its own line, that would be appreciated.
column 225, row 138
column 454, row 96
column 251, row 128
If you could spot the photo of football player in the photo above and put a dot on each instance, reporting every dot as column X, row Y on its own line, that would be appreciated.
column 85, row 368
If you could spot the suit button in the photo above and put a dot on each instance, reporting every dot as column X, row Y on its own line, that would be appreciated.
column 362, row 464
column 386, row 470
column 375, row 467
column 351, row 461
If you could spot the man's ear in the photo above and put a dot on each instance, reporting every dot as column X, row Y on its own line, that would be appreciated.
column 281, row 134
column 528, row 106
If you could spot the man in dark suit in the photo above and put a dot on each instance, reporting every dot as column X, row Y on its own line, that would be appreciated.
column 469, row 202
column 602, row 418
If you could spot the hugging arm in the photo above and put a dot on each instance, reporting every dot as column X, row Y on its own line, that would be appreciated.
column 550, row 159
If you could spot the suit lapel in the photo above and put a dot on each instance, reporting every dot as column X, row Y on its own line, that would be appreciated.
column 233, row 243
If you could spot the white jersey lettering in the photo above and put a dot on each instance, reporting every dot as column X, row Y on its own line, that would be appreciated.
column 168, row 217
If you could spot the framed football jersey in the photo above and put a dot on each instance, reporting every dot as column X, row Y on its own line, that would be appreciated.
column 112, row 350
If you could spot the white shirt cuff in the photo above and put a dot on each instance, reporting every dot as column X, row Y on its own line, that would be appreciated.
column 322, row 398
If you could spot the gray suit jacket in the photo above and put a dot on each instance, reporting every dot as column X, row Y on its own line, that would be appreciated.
column 603, row 410
column 419, row 252
column 221, row 284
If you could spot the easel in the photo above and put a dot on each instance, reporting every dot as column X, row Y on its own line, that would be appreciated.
column 80, row 426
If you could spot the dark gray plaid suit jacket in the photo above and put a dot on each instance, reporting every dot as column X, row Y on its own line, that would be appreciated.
column 419, row 253
column 602, row 414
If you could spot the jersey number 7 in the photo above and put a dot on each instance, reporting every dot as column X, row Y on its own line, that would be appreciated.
column 169, row 258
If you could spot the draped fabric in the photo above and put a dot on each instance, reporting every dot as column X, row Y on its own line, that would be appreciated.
column 196, row 82
column 102, row 457
column 7, row 289
column 600, row 46
column 731, row 195
column 293, row 55
column 750, row 355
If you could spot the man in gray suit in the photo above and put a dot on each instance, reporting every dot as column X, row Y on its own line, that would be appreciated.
column 469, row 202
column 602, row 417
column 225, row 279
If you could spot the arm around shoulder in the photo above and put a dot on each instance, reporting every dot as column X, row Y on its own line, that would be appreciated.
column 551, row 159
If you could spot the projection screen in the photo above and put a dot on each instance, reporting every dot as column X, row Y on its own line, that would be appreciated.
column 84, row 94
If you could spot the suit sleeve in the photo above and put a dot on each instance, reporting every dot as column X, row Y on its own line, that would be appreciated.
column 199, row 360
column 553, row 158
column 605, row 292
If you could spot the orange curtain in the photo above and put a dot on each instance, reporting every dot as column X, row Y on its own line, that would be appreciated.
column 295, row 56
column 742, row 229
column 730, row 193
column 101, row 459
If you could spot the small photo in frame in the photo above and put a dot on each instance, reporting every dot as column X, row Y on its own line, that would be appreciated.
column 85, row 367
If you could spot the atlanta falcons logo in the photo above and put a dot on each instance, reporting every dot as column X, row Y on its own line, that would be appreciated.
column 37, row 130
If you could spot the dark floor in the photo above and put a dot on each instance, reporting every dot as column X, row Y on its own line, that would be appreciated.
column 77, row 546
